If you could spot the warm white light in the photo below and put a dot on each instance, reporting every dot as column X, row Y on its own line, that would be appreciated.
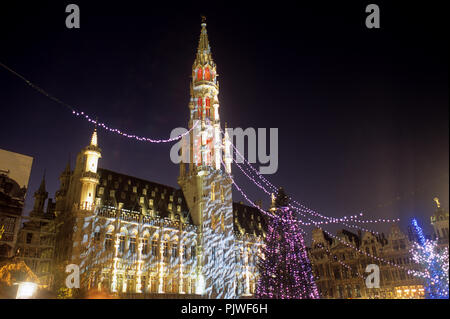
column 200, row 289
column 26, row 290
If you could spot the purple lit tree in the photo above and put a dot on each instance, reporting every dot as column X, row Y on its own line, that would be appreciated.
column 285, row 271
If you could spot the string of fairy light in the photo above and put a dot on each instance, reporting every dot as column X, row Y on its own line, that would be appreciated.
column 409, row 271
column 90, row 119
column 302, row 208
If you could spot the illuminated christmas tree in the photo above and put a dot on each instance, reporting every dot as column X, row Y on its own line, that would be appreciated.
column 435, row 263
column 284, row 267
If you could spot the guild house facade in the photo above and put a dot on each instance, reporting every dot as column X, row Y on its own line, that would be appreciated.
column 135, row 237
column 340, row 270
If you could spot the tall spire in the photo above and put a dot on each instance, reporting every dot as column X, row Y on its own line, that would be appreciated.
column 204, row 50
column 39, row 199
column 41, row 189
column 67, row 169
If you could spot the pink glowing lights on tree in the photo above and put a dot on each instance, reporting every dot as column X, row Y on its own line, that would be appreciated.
column 284, row 267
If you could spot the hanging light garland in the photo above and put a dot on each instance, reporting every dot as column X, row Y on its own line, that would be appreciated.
column 136, row 137
column 305, row 209
column 273, row 188
column 91, row 120
column 317, row 224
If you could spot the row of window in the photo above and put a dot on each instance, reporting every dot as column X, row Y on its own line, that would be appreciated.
column 152, row 285
column 155, row 247
column 135, row 190
column 205, row 74
column 112, row 192
column 151, row 202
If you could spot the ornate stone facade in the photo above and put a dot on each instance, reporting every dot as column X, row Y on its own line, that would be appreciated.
column 136, row 237
column 340, row 270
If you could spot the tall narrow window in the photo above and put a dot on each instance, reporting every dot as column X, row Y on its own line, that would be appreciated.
column 207, row 74
column 200, row 108
column 174, row 250
column 199, row 74
column 132, row 246
column 154, row 248
column 193, row 252
column 145, row 246
column 208, row 107
column 185, row 252
column 108, row 241
column 122, row 244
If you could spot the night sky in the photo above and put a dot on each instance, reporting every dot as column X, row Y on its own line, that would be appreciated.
column 362, row 114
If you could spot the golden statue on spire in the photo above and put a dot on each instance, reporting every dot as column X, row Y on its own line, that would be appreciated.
column 437, row 202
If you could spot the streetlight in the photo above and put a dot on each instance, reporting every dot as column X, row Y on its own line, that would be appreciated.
column 26, row 290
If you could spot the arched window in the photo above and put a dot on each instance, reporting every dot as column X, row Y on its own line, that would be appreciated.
column 132, row 245
column 97, row 234
column 145, row 245
column 200, row 108
column 155, row 248
column 174, row 253
column 165, row 249
column 199, row 74
column 108, row 241
column 122, row 244
column 207, row 74
column 208, row 106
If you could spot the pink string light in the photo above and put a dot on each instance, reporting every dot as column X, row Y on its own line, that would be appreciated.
column 136, row 137
column 305, row 209
column 89, row 119
column 409, row 271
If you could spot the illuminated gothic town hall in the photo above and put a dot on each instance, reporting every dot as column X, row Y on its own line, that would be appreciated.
column 133, row 238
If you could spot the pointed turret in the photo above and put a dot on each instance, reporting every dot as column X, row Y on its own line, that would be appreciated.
column 440, row 222
column 39, row 199
column 41, row 189
column 89, row 177
column 94, row 138
column 204, row 50
column 67, row 169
